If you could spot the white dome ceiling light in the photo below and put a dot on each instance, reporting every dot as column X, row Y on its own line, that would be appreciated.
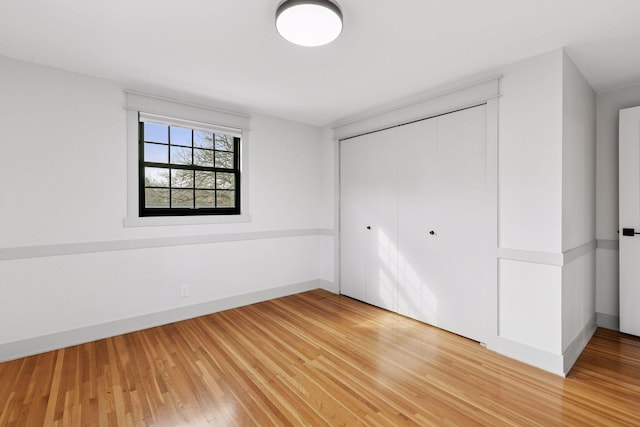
column 309, row 22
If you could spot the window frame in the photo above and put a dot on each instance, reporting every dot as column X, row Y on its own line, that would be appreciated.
column 189, row 114
column 145, row 211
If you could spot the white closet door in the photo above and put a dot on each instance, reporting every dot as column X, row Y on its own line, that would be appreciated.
column 629, row 174
column 461, row 232
column 353, row 214
column 381, row 182
column 368, row 219
column 414, row 221
column 417, row 255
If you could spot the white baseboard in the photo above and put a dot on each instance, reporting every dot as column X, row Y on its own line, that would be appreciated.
column 36, row 345
column 533, row 356
column 608, row 321
column 328, row 286
column 574, row 349
column 559, row 364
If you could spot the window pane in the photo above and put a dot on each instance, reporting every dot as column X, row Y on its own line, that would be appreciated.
column 181, row 178
column 225, row 181
column 180, row 136
column 203, row 157
column 224, row 160
column 204, row 199
column 202, row 139
column 180, row 155
column 225, row 199
column 182, row 198
column 205, row 180
column 224, row 142
column 156, row 198
column 188, row 171
column 156, row 133
column 156, row 153
column 156, row 177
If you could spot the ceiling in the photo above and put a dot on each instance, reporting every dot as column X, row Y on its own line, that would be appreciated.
column 227, row 52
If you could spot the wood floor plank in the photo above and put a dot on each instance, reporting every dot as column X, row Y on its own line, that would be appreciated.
column 314, row 359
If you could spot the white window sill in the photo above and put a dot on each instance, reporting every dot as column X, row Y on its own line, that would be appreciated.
column 155, row 221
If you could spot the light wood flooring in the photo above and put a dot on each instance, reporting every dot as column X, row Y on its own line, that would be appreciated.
column 314, row 359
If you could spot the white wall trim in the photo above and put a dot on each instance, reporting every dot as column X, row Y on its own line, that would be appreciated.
column 30, row 346
column 578, row 252
column 160, row 221
column 608, row 321
column 426, row 105
column 613, row 245
column 542, row 359
column 574, row 349
column 492, row 297
column 327, row 232
column 550, row 258
column 138, row 101
column 551, row 362
column 119, row 245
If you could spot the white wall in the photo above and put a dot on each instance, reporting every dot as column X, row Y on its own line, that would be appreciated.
column 530, row 303
column 578, row 205
column 530, row 162
column 530, row 204
column 64, row 150
column 47, row 295
column 546, row 219
column 329, row 206
column 578, row 158
column 63, row 181
column 608, row 105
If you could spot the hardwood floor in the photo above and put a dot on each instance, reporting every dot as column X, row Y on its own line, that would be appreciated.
column 314, row 359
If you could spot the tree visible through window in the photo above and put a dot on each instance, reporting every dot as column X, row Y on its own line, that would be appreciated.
column 188, row 171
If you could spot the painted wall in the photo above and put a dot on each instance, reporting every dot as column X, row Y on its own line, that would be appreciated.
column 530, row 204
column 329, row 213
column 578, row 158
column 607, row 283
column 63, row 180
column 546, row 296
column 578, row 205
column 530, row 162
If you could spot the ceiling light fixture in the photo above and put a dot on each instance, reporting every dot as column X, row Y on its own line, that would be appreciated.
column 309, row 22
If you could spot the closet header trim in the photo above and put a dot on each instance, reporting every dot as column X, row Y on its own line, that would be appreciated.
column 433, row 104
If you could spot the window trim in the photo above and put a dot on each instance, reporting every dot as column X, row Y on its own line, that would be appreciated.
column 188, row 115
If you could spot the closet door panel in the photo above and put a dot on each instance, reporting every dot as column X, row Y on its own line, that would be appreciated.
column 462, row 223
column 381, row 182
column 413, row 221
column 417, row 256
column 353, row 214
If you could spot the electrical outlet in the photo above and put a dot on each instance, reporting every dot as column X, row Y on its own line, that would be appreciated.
column 184, row 291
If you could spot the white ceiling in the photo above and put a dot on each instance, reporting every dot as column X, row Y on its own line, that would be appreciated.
column 227, row 52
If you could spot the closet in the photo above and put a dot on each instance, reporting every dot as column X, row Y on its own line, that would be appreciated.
column 414, row 224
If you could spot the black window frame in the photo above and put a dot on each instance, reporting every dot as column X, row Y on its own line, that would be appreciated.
column 194, row 211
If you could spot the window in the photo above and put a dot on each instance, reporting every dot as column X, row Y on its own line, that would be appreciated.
column 163, row 164
column 187, row 168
